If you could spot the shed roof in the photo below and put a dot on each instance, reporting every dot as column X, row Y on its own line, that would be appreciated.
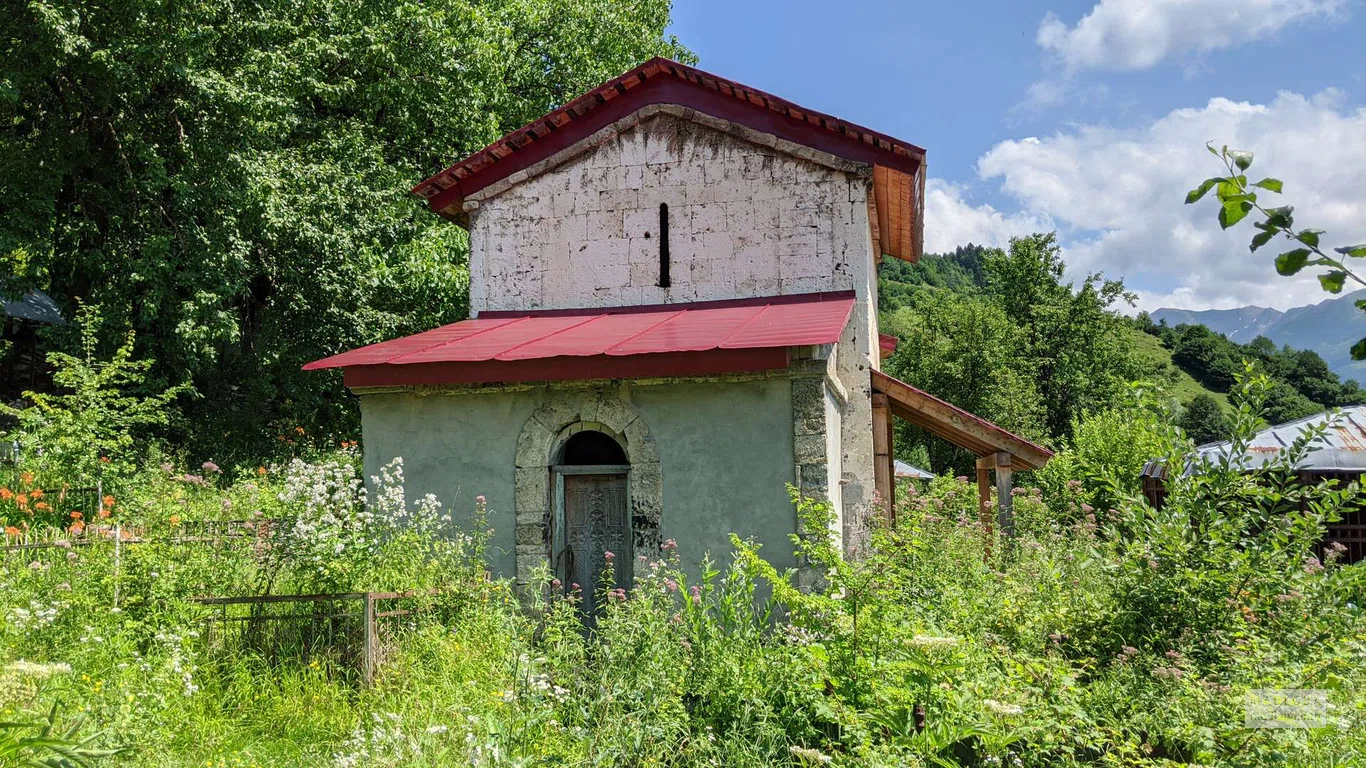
column 948, row 421
column 910, row 471
column 1342, row 448
column 616, row 342
column 898, row 165
column 34, row 306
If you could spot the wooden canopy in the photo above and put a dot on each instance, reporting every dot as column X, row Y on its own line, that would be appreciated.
column 996, row 448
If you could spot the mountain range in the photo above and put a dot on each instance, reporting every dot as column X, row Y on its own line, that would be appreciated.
column 1330, row 328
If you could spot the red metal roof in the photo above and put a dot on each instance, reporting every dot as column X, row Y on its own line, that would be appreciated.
column 662, row 81
column 619, row 342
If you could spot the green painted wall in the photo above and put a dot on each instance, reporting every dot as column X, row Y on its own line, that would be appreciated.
column 725, row 453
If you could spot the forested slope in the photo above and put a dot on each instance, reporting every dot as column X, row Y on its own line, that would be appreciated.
column 1002, row 334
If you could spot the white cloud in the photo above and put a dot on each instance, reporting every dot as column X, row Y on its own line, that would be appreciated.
column 1118, row 196
column 1138, row 34
column 951, row 221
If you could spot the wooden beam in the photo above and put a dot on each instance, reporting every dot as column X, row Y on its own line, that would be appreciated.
column 882, row 196
column 874, row 225
column 984, row 507
column 1005, row 513
column 956, row 425
column 884, row 475
column 891, row 465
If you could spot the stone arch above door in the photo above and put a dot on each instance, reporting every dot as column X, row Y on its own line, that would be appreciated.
column 564, row 414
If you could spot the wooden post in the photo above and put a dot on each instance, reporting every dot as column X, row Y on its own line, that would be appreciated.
column 367, row 668
column 884, row 474
column 1005, row 514
column 984, row 505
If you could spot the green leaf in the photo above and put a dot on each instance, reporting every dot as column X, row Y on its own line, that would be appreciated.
column 1233, row 212
column 1262, row 238
column 1310, row 237
column 1205, row 186
column 1241, row 158
column 1281, row 217
column 1290, row 262
column 1332, row 282
column 1356, row 251
column 1269, row 183
column 1359, row 350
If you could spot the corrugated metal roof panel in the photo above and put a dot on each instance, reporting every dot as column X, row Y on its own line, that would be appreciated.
column 1342, row 446
column 620, row 332
column 34, row 306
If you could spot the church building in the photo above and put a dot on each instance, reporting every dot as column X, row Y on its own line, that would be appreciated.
column 673, row 317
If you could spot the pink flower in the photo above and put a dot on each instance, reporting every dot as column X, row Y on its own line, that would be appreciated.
column 671, row 585
column 575, row 586
column 608, row 556
column 669, row 545
column 556, row 583
column 209, row 467
column 480, row 499
column 961, row 478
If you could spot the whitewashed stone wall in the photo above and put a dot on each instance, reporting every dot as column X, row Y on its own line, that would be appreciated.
column 749, row 216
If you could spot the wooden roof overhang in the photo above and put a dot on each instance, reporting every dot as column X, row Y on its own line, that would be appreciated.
column 947, row 421
column 898, row 166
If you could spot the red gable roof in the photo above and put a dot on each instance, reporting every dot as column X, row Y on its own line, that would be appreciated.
column 621, row 342
column 662, row 81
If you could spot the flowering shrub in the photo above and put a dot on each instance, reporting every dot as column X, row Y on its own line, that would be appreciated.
column 336, row 536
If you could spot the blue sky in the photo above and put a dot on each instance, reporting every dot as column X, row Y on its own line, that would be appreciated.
column 1085, row 117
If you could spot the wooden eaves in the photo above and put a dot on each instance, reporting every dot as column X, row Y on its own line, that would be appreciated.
column 997, row 449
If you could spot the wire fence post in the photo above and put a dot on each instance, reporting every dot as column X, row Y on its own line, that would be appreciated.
column 118, row 556
column 367, row 669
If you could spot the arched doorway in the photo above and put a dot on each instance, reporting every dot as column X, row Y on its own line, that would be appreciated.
column 592, row 514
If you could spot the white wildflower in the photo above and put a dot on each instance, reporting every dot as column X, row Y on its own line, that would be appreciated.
column 930, row 641
column 809, row 756
column 1001, row 708
column 37, row 671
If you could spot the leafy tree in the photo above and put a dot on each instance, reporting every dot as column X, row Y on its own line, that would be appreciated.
column 1206, row 355
column 1073, row 338
column 1284, row 404
column 1001, row 334
column 232, row 183
column 1237, row 198
column 963, row 351
column 102, row 406
column 1204, row 420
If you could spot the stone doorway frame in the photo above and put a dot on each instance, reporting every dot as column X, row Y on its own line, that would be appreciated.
column 547, row 429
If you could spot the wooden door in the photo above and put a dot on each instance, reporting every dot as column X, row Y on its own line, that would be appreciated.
column 596, row 521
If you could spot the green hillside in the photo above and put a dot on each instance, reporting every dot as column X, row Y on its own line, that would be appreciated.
column 1006, row 335
column 1157, row 359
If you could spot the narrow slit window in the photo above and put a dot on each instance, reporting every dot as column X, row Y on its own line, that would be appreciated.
column 663, row 245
